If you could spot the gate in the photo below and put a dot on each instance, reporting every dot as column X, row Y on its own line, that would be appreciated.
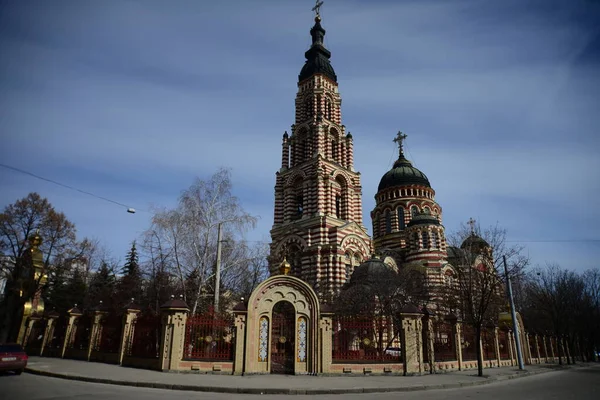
column 283, row 338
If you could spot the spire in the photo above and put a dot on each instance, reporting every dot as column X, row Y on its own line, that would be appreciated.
column 317, row 57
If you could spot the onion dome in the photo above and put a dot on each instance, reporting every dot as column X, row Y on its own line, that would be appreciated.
column 402, row 173
column 454, row 253
column 317, row 57
column 474, row 242
column 367, row 272
column 424, row 219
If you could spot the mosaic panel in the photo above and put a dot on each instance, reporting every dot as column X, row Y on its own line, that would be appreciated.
column 302, row 339
column 263, row 339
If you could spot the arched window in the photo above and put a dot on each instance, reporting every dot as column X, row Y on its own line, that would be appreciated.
column 415, row 241
column 425, row 239
column 348, row 267
column 376, row 226
column 414, row 210
column 401, row 224
column 328, row 109
column 388, row 222
column 338, row 206
column 434, row 240
column 308, row 108
column 341, row 205
column 334, row 150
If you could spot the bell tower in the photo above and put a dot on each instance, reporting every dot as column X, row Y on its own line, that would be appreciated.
column 318, row 225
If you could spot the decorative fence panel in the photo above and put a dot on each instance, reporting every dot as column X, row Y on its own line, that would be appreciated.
column 532, row 350
column 145, row 342
column 365, row 339
column 209, row 337
column 503, row 344
column 36, row 337
column 83, row 332
column 488, row 344
column 443, row 341
column 469, row 344
column 55, row 343
column 109, row 338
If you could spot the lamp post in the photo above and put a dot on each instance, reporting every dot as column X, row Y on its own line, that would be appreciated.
column 514, row 316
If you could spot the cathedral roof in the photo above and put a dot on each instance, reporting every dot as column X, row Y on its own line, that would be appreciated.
column 317, row 57
column 424, row 219
column 403, row 173
column 474, row 241
column 367, row 272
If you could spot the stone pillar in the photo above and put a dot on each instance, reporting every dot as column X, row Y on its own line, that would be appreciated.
column 31, row 321
column 511, row 350
column 96, row 332
column 410, row 336
column 52, row 317
column 552, row 348
column 240, row 312
column 537, row 349
column 428, row 345
column 458, row 343
column 325, row 348
column 527, row 350
column 74, row 313
column 545, row 348
column 497, row 345
column 131, row 312
column 172, row 339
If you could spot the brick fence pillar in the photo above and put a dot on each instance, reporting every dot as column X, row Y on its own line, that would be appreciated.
column 172, row 339
column 411, row 338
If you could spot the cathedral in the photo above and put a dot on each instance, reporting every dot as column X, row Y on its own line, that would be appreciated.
column 318, row 226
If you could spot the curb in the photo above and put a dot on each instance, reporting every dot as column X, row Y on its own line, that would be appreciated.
column 241, row 390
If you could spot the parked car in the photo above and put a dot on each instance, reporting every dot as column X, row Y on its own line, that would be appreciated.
column 12, row 358
column 393, row 351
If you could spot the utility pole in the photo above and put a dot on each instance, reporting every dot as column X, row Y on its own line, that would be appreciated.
column 514, row 316
column 218, row 270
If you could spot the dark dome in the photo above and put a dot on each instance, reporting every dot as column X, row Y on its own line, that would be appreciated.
column 454, row 252
column 474, row 241
column 403, row 173
column 424, row 219
column 318, row 64
column 317, row 57
column 366, row 271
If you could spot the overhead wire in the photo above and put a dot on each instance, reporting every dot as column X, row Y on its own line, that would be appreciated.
column 66, row 186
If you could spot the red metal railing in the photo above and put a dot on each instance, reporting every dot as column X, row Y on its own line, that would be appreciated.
column 503, row 344
column 83, row 333
column 110, row 334
column 489, row 344
column 146, row 337
column 444, row 347
column 359, row 338
column 60, row 330
column 469, row 344
column 209, row 337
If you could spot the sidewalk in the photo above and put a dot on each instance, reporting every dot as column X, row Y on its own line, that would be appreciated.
column 271, row 384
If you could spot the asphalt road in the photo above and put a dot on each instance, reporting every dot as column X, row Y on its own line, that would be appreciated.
column 576, row 384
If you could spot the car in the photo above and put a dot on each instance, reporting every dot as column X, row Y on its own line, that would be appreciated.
column 393, row 351
column 12, row 358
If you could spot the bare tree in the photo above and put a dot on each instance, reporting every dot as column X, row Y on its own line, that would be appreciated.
column 187, row 234
column 479, row 286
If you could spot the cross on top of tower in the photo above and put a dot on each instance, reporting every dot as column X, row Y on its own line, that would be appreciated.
column 400, row 137
column 317, row 8
column 472, row 224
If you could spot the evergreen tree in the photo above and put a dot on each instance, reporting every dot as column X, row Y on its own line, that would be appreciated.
column 102, row 287
column 131, row 282
column 132, row 266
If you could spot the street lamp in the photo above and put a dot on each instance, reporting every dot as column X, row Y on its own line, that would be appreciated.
column 514, row 316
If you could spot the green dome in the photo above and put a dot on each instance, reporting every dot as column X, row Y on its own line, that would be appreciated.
column 403, row 173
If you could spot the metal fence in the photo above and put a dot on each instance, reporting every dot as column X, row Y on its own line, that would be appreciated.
column 109, row 338
column 503, row 345
column 444, row 341
column 145, row 341
column 469, row 344
column 368, row 339
column 488, row 344
column 209, row 337
column 83, row 333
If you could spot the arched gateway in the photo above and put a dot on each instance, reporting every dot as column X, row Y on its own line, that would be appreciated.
column 282, row 329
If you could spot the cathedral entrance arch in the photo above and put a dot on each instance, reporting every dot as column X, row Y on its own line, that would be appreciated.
column 282, row 333
column 283, row 338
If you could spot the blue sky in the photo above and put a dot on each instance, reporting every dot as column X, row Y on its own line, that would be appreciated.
column 132, row 99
